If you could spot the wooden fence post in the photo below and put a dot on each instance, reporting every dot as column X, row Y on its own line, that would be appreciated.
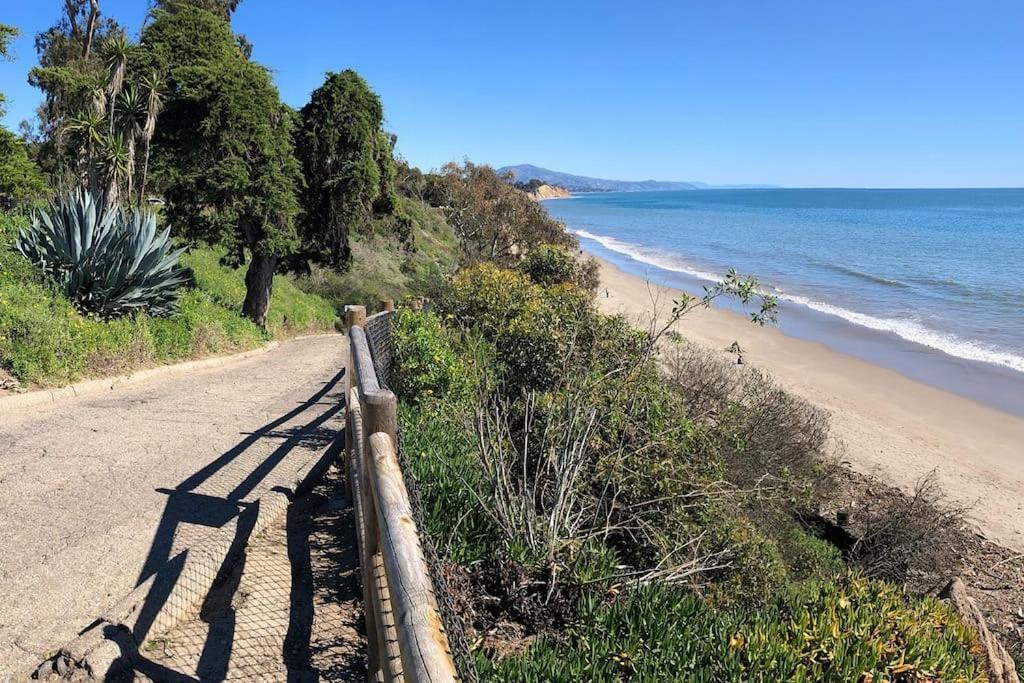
column 381, row 415
column 355, row 315
column 388, row 305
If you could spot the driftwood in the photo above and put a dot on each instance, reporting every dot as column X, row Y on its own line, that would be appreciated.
column 1001, row 668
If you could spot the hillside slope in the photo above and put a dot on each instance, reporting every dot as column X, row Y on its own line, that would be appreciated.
column 44, row 341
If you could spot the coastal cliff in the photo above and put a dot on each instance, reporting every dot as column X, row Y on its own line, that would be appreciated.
column 548, row 192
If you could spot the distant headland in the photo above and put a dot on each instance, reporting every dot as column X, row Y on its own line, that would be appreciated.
column 524, row 173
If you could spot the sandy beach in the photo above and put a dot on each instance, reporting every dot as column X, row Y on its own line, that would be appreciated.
column 884, row 423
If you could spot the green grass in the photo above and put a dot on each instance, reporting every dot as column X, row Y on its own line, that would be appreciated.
column 44, row 341
column 383, row 267
column 292, row 311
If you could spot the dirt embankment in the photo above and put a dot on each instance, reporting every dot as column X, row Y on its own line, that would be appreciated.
column 549, row 192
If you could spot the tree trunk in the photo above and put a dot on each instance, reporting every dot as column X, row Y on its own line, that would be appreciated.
column 90, row 28
column 259, row 281
column 145, row 173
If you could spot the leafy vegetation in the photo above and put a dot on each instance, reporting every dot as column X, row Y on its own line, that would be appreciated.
column 20, row 179
column 107, row 262
column 45, row 341
column 222, row 148
column 349, row 170
column 385, row 265
column 633, row 507
column 429, row 366
column 850, row 629
column 494, row 221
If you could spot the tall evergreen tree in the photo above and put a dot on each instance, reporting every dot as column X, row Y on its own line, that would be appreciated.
column 20, row 178
column 348, row 164
column 222, row 151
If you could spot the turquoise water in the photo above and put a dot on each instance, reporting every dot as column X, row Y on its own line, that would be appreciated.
column 940, row 271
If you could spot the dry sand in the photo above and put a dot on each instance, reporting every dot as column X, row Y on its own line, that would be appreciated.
column 885, row 423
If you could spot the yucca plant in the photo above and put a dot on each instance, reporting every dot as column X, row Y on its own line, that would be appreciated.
column 108, row 262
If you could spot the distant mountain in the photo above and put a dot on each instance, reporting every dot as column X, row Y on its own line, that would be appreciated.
column 524, row 173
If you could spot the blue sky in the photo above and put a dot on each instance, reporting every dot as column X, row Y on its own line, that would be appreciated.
column 797, row 93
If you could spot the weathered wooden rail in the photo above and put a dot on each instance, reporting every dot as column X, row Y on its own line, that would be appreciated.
column 405, row 635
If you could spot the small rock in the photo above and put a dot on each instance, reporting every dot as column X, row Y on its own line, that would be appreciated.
column 44, row 671
column 63, row 666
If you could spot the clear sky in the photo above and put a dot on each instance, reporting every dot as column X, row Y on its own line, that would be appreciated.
column 915, row 93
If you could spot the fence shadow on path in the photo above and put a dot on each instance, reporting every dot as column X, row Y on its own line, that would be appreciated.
column 228, row 481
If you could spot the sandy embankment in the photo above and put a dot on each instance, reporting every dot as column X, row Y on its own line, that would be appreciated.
column 892, row 426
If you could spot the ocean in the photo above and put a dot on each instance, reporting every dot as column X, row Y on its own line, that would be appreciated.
column 927, row 282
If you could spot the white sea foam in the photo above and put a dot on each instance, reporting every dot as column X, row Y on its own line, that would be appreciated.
column 651, row 257
column 910, row 330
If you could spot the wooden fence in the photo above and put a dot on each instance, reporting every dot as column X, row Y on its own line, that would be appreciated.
column 405, row 636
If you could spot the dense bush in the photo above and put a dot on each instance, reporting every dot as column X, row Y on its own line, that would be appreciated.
column 426, row 365
column 548, row 264
column 533, row 328
column 551, row 264
column 582, row 466
column 495, row 222
column 847, row 630
column 771, row 442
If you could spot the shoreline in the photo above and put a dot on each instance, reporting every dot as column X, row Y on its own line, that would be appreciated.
column 884, row 423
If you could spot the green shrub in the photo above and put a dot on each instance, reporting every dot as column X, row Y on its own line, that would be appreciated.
column 425, row 363
column 839, row 632
column 809, row 557
column 690, row 478
column 441, row 454
column 487, row 298
column 534, row 329
column 549, row 264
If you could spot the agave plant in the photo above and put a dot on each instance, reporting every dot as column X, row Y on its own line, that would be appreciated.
column 108, row 262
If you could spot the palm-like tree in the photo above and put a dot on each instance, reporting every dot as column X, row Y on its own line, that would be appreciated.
column 92, row 126
column 131, row 115
column 116, row 51
column 153, row 88
column 116, row 162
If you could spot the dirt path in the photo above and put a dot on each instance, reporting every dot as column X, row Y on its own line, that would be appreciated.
column 98, row 493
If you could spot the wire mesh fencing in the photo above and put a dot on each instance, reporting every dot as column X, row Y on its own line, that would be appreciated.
column 378, row 329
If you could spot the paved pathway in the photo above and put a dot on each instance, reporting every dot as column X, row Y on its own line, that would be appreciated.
column 98, row 493
column 291, row 610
